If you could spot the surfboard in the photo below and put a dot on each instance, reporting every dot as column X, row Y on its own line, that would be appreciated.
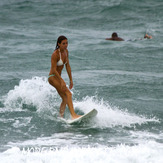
column 83, row 118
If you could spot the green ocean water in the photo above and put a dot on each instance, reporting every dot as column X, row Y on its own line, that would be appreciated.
column 122, row 80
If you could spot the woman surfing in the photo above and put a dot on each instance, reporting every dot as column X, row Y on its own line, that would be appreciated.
column 60, row 58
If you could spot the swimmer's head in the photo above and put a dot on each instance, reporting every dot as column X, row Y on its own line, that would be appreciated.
column 114, row 34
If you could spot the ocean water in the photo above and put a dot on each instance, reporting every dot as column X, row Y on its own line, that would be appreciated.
column 122, row 80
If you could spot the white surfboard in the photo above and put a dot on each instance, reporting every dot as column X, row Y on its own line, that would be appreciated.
column 84, row 117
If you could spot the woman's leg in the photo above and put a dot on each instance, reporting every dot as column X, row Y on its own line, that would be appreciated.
column 70, row 104
column 66, row 98
column 63, row 105
column 62, row 109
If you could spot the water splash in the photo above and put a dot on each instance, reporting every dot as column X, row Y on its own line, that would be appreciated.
column 109, row 116
column 37, row 93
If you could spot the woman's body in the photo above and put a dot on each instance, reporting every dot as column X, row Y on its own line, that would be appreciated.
column 58, row 59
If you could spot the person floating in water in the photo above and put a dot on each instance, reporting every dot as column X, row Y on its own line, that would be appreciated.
column 60, row 58
column 115, row 37
column 147, row 36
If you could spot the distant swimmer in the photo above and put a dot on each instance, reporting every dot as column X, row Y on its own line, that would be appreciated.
column 115, row 37
column 59, row 59
column 148, row 36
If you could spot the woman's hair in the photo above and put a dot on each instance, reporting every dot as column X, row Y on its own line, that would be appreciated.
column 59, row 40
column 114, row 34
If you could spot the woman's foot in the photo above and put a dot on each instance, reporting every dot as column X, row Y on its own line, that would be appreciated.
column 76, row 116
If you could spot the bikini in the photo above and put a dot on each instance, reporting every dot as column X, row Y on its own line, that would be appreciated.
column 59, row 63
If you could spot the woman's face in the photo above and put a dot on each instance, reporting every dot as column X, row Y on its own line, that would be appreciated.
column 64, row 44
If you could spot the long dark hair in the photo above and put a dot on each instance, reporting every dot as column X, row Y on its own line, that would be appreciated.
column 59, row 40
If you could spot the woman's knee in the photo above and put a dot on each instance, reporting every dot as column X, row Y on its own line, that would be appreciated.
column 64, row 99
column 68, row 93
column 63, row 96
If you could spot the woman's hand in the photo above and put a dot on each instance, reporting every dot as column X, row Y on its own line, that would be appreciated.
column 71, row 84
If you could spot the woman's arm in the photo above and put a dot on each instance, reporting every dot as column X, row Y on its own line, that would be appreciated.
column 68, row 68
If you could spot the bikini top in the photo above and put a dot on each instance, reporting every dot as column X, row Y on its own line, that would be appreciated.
column 60, row 62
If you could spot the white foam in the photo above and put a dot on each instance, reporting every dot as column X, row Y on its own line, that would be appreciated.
column 109, row 116
column 146, row 152
column 36, row 92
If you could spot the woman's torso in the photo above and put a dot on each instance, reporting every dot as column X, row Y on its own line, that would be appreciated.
column 61, row 60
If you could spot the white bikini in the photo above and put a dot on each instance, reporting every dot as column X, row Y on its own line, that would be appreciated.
column 59, row 63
